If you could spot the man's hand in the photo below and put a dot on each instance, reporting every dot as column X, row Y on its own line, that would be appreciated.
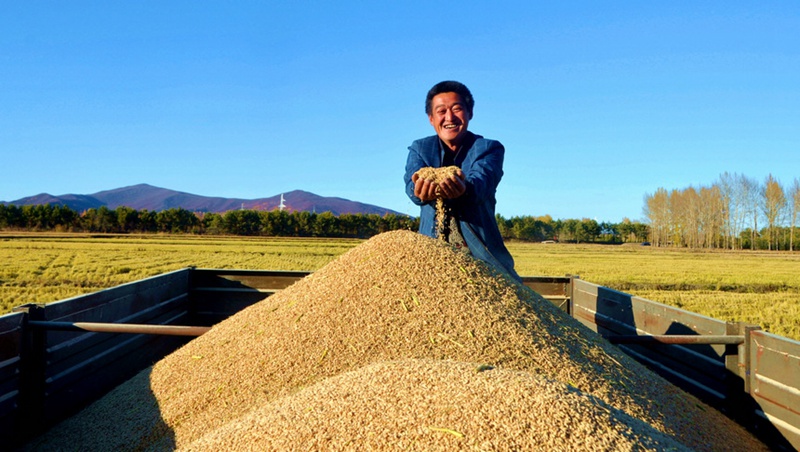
column 450, row 188
column 424, row 189
column 453, row 187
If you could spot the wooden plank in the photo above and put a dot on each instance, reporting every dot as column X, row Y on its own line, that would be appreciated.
column 212, row 306
column 12, row 386
column 10, row 335
column 775, row 382
column 9, row 396
column 554, row 289
column 94, row 379
column 89, row 352
column 9, row 418
column 699, row 369
column 84, row 369
column 645, row 316
column 216, row 295
column 250, row 279
column 84, row 366
column 118, row 302
column 549, row 286
column 10, row 362
column 64, row 345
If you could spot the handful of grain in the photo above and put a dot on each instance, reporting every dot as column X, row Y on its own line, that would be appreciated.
column 437, row 176
column 357, row 321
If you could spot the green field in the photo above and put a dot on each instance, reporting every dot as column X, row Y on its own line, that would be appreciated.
column 756, row 287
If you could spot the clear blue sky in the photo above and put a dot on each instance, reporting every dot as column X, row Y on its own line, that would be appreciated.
column 597, row 103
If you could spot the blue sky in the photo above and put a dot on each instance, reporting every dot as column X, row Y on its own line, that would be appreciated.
column 597, row 103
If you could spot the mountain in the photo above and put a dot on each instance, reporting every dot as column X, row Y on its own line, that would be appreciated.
column 148, row 197
column 78, row 203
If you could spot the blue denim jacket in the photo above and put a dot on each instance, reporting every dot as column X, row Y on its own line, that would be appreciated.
column 481, row 160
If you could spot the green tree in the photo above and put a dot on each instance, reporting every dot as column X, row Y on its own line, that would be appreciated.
column 276, row 223
column 242, row 222
column 587, row 230
column 304, row 223
column 101, row 219
column 127, row 219
column 326, row 225
column 11, row 217
column 148, row 221
column 177, row 220
column 609, row 232
column 504, row 226
column 214, row 223
column 65, row 218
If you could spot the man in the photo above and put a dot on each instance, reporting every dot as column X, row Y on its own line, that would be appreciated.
column 469, row 194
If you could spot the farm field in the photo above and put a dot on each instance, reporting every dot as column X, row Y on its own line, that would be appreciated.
column 45, row 268
column 756, row 287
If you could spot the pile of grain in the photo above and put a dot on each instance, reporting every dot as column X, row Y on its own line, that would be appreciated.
column 436, row 405
column 437, row 176
column 396, row 297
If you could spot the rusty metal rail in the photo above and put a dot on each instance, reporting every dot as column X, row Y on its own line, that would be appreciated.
column 677, row 339
column 129, row 328
column 182, row 330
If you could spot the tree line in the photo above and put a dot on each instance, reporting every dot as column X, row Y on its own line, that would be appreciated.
column 586, row 230
column 59, row 218
column 734, row 212
column 47, row 217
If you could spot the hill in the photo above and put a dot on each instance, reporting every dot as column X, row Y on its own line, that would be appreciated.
column 148, row 197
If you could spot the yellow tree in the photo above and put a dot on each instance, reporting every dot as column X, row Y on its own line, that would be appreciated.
column 711, row 215
column 657, row 212
column 725, row 187
column 774, row 203
column 794, row 194
column 693, row 233
column 750, row 193
column 677, row 215
column 734, row 191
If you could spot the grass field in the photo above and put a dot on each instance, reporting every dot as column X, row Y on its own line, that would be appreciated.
column 756, row 287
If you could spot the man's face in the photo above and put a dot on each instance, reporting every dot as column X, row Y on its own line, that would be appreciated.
column 450, row 118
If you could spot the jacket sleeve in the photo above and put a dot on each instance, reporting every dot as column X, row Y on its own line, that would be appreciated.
column 483, row 171
column 416, row 160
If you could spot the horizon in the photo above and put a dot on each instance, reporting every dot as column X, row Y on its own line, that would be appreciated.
column 261, row 198
column 598, row 105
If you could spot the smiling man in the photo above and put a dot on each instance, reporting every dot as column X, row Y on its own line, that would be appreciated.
column 469, row 194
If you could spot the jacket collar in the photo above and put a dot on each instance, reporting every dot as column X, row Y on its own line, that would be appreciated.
column 469, row 140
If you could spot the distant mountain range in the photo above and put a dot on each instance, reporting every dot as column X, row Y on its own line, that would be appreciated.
column 148, row 197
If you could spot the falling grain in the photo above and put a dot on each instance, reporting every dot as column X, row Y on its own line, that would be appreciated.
column 437, row 176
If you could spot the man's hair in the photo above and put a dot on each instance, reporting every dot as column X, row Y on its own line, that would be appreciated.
column 450, row 86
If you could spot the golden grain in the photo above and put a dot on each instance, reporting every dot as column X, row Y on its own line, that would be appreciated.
column 437, row 176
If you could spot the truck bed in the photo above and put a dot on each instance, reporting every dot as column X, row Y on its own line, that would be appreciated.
column 57, row 358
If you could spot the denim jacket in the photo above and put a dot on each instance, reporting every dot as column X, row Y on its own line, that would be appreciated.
column 481, row 160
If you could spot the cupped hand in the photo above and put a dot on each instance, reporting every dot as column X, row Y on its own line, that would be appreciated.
column 424, row 189
column 453, row 187
column 427, row 190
